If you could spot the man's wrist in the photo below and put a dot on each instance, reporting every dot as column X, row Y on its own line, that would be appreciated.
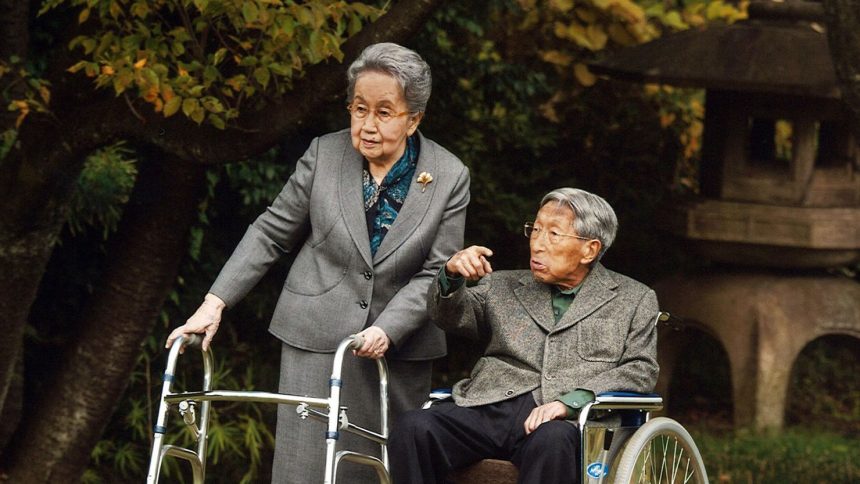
column 449, row 284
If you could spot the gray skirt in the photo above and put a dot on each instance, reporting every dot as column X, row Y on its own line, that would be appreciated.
column 300, row 444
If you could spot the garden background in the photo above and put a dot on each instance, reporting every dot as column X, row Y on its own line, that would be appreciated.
column 143, row 136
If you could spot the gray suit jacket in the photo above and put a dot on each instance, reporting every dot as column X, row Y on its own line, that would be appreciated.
column 335, row 287
column 606, row 341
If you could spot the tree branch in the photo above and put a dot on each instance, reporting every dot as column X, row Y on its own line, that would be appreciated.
column 264, row 128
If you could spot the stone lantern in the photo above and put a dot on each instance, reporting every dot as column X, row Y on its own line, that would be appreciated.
column 780, row 189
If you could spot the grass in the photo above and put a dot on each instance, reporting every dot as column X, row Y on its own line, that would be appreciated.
column 797, row 455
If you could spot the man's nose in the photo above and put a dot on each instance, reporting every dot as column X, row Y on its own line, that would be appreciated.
column 538, row 244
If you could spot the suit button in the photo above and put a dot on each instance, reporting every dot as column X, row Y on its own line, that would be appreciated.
column 547, row 376
column 509, row 393
column 362, row 304
column 368, row 275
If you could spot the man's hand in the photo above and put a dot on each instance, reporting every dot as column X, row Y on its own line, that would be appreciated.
column 206, row 319
column 470, row 263
column 546, row 412
column 375, row 345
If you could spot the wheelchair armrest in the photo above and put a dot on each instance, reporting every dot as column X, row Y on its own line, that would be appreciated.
column 628, row 400
column 437, row 395
column 621, row 401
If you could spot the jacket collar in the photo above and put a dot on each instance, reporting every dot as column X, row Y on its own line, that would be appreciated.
column 414, row 208
column 598, row 288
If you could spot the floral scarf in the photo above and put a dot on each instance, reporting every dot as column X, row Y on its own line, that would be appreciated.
column 382, row 202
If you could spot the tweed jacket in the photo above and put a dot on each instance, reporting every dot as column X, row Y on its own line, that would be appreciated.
column 606, row 341
column 335, row 287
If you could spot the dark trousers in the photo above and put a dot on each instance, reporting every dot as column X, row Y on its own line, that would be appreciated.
column 425, row 445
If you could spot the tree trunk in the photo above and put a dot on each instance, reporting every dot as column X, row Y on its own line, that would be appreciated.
column 62, row 428
column 843, row 36
column 36, row 180
column 13, row 42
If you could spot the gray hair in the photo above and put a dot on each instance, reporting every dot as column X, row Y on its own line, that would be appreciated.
column 401, row 63
column 593, row 216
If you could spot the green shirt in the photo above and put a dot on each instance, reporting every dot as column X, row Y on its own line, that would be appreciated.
column 561, row 301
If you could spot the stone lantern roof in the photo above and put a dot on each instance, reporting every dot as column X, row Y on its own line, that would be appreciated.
column 780, row 168
column 782, row 48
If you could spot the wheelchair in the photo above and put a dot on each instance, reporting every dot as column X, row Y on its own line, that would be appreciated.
column 620, row 443
column 635, row 448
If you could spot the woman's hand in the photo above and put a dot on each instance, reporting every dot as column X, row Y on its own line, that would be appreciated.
column 375, row 343
column 205, row 320
column 546, row 412
column 470, row 263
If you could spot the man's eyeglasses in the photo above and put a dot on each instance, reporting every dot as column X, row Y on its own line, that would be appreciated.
column 532, row 232
column 382, row 115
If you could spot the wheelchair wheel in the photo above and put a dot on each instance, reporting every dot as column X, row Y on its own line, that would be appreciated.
column 661, row 451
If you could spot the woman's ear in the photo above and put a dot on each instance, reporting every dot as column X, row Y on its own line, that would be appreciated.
column 414, row 121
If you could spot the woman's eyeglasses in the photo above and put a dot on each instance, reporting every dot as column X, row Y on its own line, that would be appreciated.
column 382, row 115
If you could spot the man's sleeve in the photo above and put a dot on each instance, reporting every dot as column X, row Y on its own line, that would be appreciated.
column 575, row 400
column 448, row 285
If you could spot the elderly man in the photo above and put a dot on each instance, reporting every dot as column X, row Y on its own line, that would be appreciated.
column 556, row 336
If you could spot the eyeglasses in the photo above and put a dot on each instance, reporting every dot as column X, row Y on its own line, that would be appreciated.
column 532, row 232
column 382, row 115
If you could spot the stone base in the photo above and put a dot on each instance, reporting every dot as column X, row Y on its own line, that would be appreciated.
column 763, row 322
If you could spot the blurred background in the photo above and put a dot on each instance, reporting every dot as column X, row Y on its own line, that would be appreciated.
column 121, row 203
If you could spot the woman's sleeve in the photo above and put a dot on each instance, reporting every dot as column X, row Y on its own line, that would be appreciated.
column 279, row 229
column 407, row 310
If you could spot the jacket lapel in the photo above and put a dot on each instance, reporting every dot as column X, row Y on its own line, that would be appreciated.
column 597, row 290
column 414, row 207
column 352, row 201
column 536, row 298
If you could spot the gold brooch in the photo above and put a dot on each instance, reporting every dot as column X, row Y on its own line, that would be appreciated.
column 424, row 178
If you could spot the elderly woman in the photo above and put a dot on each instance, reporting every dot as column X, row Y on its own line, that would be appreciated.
column 374, row 212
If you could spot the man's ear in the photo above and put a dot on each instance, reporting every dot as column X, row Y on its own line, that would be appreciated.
column 414, row 122
column 590, row 251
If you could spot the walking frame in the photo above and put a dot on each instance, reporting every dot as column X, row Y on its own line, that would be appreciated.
column 319, row 408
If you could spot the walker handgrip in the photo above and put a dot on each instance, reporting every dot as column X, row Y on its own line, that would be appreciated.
column 193, row 340
column 357, row 341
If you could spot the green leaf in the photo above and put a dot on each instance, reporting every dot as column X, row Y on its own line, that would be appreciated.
column 250, row 12
column 77, row 66
column 217, row 121
column 197, row 116
column 261, row 74
column 89, row 45
column 673, row 19
column 190, row 105
column 212, row 104
column 150, row 76
column 210, row 75
column 178, row 48
column 248, row 61
column 219, row 56
column 354, row 25
column 280, row 69
column 172, row 106
column 304, row 16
